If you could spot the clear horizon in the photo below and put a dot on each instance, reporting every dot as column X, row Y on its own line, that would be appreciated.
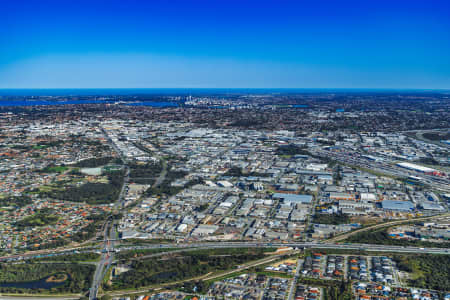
column 228, row 88
column 235, row 44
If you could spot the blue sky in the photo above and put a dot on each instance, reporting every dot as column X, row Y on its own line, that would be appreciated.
column 226, row 43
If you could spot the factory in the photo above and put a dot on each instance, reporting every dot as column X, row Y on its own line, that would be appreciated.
column 293, row 198
column 397, row 205
column 415, row 167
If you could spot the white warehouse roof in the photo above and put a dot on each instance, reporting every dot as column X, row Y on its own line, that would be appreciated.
column 415, row 167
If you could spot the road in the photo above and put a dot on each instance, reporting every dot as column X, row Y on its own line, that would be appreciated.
column 110, row 234
column 365, row 247
column 354, row 158
column 217, row 245
column 106, row 259
column 418, row 134
column 39, row 297
column 120, row 203
column 381, row 225
column 245, row 267
column 294, row 280
column 205, row 277
column 163, row 173
column 109, row 249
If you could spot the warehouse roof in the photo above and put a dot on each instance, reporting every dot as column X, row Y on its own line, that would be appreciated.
column 431, row 206
column 415, row 167
column 293, row 197
column 397, row 205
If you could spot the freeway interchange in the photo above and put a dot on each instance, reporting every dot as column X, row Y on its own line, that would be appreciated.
column 113, row 247
column 106, row 259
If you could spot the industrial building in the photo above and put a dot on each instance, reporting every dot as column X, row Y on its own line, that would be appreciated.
column 397, row 205
column 293, row 198
column 415, row 167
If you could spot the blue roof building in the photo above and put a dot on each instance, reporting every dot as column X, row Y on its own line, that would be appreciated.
column 293, row 198
column 397, row 205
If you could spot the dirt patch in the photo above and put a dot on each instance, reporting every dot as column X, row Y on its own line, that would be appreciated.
column 57, row 278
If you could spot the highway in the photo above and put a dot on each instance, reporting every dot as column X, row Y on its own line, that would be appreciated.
column 113, row 243
column 110, row 234
column 344, row 236
column 359, row 247
column 162, row 175
column 362, row 247
column 110, row 248
column 354, row 158
column 106, row 259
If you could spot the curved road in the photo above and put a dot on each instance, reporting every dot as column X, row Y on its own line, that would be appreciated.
column 381, row 225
